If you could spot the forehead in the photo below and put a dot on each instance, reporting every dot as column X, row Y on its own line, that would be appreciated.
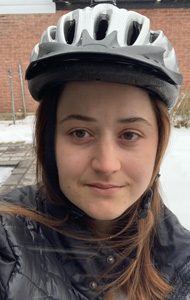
column 89, row 97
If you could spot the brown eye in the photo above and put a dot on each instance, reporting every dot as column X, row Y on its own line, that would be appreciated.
column 130, row 136
column 80, row 134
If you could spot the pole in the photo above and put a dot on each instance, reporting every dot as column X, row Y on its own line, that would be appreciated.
column 12, row 96
column 22, row 88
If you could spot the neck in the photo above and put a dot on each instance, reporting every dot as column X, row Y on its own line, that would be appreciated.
column 102, row 228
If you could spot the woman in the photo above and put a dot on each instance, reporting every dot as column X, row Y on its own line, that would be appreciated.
column 96, row 227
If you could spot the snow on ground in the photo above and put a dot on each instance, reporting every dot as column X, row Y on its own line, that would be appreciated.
column 175, row 170
column 4, row 174
column 22, row 131
column 175, row 175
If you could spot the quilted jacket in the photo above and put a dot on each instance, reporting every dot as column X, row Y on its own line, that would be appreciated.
column 37, row 263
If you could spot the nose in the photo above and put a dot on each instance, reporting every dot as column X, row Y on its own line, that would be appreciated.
column 106, row 158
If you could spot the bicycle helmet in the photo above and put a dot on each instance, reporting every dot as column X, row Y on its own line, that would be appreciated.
column 109, row 44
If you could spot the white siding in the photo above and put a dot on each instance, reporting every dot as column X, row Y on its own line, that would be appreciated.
column 27, row 6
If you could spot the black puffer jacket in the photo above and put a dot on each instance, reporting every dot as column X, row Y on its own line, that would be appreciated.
column 36, row 264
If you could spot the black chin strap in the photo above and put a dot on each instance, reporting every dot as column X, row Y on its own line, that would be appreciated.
column 146, row 201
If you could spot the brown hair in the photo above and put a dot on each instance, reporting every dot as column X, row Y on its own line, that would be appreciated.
column 133, row 237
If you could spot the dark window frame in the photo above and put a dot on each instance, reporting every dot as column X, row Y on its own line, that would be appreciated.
column 128, row 4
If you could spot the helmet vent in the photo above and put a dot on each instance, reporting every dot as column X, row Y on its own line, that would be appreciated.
column 153, row 37
column 53, row 34
column 101, row 27
column 133, row 33
column 69, row 31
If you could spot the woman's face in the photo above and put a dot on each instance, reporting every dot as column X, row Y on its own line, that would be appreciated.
column 106, row 144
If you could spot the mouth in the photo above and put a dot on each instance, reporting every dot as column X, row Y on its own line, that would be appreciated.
column 104, row 189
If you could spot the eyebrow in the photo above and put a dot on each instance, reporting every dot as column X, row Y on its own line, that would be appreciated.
column 133, row 120
column 78, row 117
column 90, row 119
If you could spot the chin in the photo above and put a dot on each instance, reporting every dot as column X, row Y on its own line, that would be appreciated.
column 104, row 217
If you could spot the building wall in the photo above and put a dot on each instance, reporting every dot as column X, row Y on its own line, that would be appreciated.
column 20, row 32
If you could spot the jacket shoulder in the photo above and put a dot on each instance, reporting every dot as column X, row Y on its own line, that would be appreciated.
column 24, row 196
column 8, row 260
column 29, row 267
column 171, row 253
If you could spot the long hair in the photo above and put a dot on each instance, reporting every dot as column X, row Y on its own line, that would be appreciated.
column 133, row 237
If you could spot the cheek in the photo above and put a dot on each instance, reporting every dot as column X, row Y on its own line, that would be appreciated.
column 69, row 161
column 142, row 165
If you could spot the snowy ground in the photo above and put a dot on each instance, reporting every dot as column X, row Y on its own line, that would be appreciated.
column 175, row 170
column 175, row 175
column 4, row 174
column 22, row 131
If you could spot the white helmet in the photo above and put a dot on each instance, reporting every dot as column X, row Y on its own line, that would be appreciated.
column 109, row 44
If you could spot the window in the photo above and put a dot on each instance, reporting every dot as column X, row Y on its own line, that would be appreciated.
column 128, row 4
column 27, row 6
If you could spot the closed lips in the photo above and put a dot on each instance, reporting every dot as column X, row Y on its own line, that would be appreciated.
column 103, row 186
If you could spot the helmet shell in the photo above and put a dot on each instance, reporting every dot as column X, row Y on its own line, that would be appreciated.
column 108, row 44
